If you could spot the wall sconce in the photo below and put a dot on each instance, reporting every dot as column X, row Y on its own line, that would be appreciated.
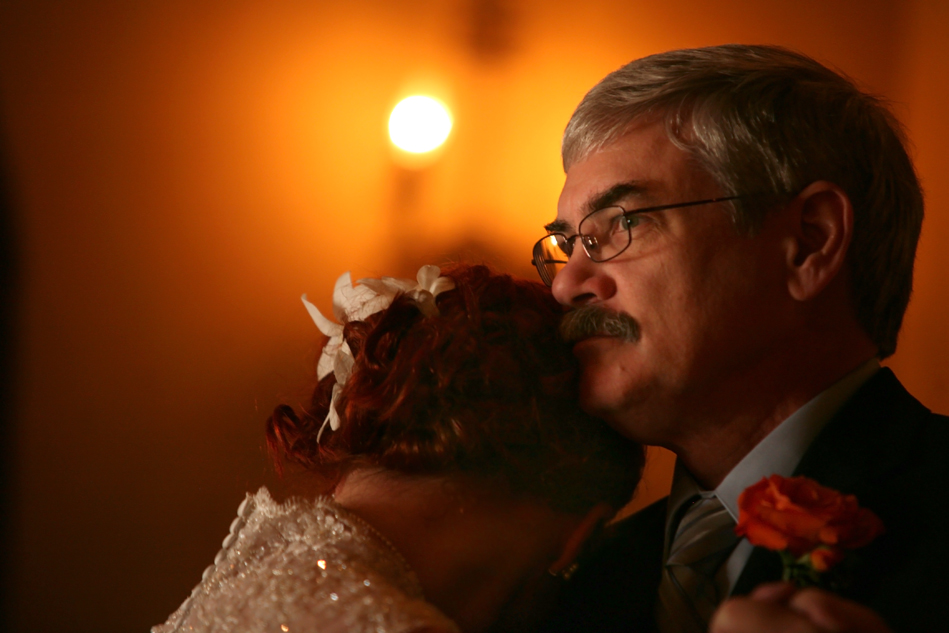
column 418, row 126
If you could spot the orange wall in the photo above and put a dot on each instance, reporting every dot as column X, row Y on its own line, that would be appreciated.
column 185, row 170
column 922, row 359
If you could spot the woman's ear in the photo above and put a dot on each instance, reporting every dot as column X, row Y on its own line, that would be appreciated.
column 821, row 230
column 577, row 537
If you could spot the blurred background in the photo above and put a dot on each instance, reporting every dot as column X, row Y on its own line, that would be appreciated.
column 175, row 173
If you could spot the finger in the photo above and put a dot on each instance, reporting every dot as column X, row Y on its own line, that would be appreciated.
column 747, row 615
column 837, row 614
column 774, row 592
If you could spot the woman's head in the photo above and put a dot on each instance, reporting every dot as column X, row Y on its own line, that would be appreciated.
column 483, row 389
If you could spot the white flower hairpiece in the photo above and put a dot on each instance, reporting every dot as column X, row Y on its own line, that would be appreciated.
column 355, row 303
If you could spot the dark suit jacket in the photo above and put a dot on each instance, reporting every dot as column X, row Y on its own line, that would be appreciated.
column 884, row 447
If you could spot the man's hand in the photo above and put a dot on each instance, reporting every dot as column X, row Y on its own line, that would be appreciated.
column 782, row 608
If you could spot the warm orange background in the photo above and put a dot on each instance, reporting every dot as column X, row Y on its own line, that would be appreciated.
column 183, row 170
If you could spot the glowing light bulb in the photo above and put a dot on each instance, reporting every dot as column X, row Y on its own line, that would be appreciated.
column 419, row 124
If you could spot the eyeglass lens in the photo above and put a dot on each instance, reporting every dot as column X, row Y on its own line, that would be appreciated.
column 604, row 234
column 550, row 255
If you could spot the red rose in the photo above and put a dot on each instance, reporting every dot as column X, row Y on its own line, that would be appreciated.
column 801, row 516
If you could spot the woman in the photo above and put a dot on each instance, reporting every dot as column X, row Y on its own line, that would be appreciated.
column 457, row 469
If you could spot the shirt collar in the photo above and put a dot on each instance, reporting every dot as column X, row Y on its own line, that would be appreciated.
column 779, row 452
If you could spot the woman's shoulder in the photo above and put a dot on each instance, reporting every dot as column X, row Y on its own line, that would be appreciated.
column 305, row 563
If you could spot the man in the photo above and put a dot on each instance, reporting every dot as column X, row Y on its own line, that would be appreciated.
column 736, row 237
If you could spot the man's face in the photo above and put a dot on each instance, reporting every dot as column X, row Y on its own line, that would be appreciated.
column 709, row 302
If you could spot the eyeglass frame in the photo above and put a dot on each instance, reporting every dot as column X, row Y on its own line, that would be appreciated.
column 570, row 240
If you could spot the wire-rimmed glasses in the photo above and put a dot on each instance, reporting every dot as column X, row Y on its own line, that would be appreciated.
column 604, row 234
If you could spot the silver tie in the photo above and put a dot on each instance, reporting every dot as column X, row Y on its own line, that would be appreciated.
column 688, row 592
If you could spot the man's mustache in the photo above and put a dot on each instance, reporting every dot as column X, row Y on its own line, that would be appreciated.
column 593, row 320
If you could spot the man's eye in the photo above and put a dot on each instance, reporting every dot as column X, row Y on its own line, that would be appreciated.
column 626, row 221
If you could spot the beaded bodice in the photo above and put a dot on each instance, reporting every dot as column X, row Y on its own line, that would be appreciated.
column 305, row 566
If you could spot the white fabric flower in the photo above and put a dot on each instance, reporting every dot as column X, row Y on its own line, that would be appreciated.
column 355, row 303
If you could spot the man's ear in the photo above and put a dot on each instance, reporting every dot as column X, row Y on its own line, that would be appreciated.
column 578, row 536
column 821, row 229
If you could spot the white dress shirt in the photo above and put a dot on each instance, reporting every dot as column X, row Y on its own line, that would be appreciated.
column 777, row 454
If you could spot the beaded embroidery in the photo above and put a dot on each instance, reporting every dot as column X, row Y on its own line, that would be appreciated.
column 305, row 566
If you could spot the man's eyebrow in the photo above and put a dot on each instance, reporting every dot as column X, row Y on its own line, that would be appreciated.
column 601, row 200
column 557, row 226
column 614, row 194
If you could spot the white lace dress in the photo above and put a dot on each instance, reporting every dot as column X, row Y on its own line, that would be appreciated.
column 305, row 566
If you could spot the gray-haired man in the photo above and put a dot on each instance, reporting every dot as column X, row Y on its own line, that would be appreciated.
column 736, row 235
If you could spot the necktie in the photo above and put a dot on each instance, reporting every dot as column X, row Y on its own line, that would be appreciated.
column 688, row 592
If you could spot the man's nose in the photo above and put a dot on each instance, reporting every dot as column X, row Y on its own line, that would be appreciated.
column 582, row 281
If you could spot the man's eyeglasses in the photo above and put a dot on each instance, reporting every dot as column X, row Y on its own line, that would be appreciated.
column 604, row 234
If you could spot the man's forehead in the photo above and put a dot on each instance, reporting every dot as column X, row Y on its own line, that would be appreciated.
column 641, row 168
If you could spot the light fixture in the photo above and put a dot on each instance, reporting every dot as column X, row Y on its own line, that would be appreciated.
column 419, row 124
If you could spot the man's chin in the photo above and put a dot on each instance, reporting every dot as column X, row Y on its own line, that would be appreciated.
column 604, row 377
column 618, row 405
column 601, row 403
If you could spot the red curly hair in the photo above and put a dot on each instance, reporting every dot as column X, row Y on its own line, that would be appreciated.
column 484, row 388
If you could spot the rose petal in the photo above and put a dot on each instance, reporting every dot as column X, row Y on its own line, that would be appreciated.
column 805, row 514
column 763, row 535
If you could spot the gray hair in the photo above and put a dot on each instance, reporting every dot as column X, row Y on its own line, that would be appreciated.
column 766, row 121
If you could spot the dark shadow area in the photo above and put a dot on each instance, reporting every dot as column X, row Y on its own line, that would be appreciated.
column 8, row 321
